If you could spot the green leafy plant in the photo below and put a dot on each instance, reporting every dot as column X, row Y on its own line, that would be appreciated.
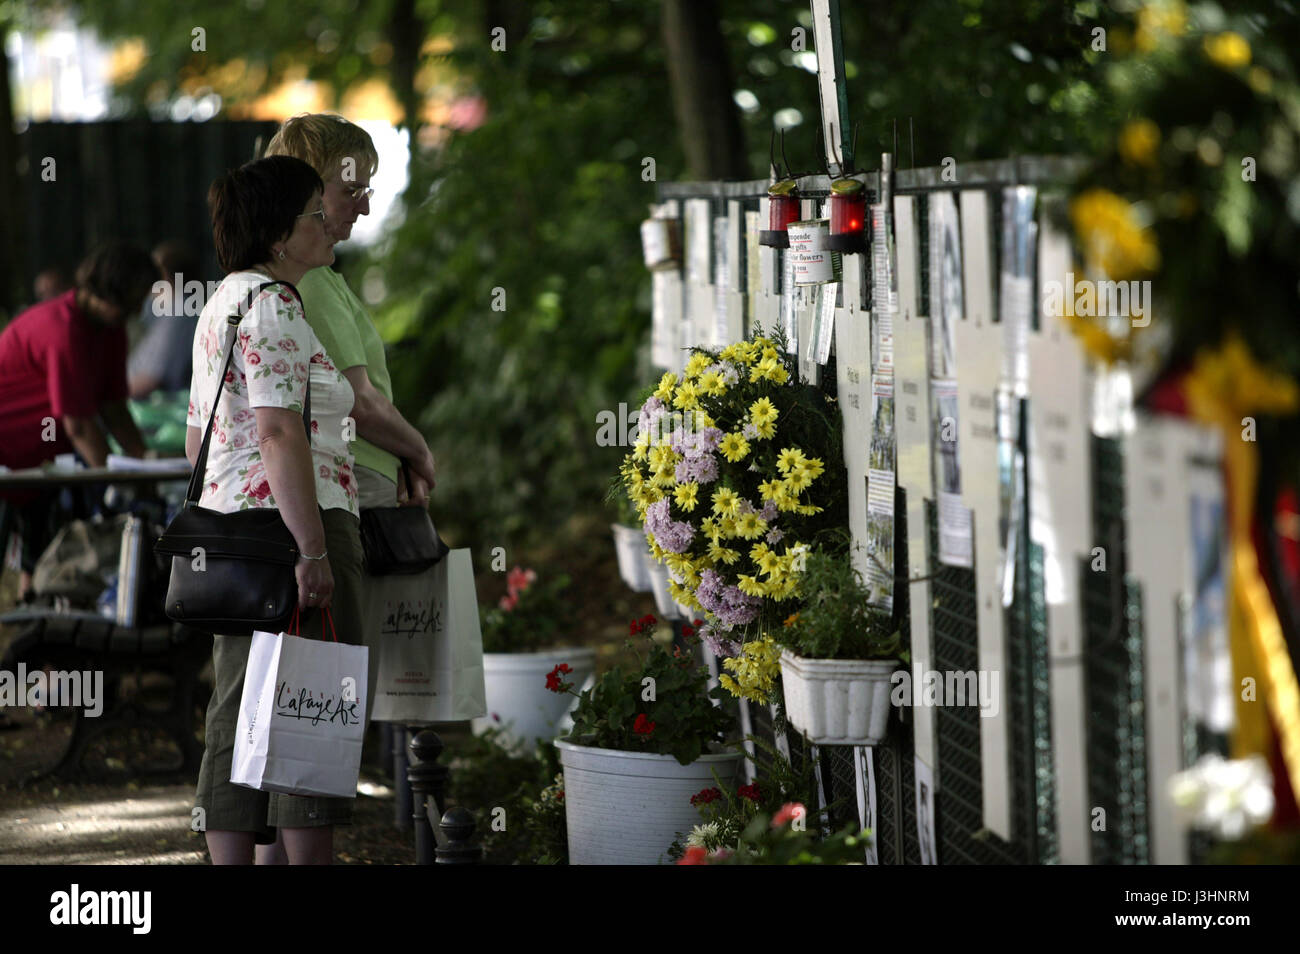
column 835, row 620
column 548, row 824
column 662, row 706
column 487, row 775
column 530, row 617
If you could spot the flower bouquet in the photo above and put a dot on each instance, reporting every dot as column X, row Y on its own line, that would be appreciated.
column 736, row 468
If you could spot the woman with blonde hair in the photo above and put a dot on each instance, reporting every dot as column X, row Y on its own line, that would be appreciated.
column 344, row 156
column 249, row 391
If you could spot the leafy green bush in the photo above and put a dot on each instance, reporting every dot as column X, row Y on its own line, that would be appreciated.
column 835, row 621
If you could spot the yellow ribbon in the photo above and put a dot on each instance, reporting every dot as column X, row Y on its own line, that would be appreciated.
column 1224, row 387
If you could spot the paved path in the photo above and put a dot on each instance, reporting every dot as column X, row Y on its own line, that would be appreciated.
column 53, row 825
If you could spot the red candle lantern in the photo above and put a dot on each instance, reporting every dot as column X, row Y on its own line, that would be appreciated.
column 783, row 204
column 848, row 216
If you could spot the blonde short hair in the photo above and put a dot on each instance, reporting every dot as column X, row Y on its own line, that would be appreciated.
column 324, row 140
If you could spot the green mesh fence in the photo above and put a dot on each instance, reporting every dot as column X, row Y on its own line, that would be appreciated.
column 1116, row 736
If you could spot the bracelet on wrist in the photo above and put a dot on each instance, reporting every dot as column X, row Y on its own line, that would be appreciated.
column 305, row 556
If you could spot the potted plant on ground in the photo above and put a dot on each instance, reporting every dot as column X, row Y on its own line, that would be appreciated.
column 519, row 634
column 643, row 742
column 837, row 656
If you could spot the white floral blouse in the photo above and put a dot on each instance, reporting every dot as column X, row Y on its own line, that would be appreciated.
column 273, row 351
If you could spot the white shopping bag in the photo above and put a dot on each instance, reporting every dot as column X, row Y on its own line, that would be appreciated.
column 301, row 717
column 430, row 646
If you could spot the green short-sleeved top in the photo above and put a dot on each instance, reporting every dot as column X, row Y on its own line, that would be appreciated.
column 350, row 338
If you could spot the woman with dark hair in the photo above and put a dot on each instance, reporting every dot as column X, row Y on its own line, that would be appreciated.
column 268, row 224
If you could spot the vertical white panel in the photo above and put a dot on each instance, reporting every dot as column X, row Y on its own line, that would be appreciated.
column 1156, row 495
column 1060, row 510
column 666, row 323
column 853, row 370
column 912, row 425
column 979, row 345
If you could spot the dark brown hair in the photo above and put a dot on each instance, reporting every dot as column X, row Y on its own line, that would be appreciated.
column 118, row 272
column 256, row 205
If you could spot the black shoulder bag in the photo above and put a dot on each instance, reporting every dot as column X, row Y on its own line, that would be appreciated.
column 400, row 540
column 232, row 573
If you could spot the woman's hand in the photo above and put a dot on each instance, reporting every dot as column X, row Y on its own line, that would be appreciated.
column 417, row 494
column 426, row 469
column 315, row 583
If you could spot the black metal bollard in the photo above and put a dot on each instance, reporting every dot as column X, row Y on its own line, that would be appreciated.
column 458, row 828
column 428, row 780
column 402, row 803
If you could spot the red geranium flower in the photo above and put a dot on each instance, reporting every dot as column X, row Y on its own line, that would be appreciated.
column 695, row 855
column 553, row 681
column 643, row 726
column 705, row 796
column 638, row 626
column 749, row 791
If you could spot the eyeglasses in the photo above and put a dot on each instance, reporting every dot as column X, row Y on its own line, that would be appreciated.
column 358, row 193
column 320, row 212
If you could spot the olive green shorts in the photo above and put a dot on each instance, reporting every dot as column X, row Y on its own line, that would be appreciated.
column 229, row 807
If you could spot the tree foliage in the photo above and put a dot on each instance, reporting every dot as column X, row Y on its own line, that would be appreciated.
column 537, row 208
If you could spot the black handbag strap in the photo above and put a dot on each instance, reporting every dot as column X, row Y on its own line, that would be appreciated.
column 201, row 462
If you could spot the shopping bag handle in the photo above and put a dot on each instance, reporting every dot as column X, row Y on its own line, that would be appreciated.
column 329, row 617
column 294, row 628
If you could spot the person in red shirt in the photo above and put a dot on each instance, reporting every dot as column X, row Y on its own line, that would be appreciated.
column 63, row 376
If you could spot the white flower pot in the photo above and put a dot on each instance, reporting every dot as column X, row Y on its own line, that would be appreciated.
column 668, row 607
column 627, row 808
column 837, row 701
column 518, row 701
column 633, row 557
column 664, row 602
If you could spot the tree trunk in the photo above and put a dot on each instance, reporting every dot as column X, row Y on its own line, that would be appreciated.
column 12, row 254
column 406, row 34
column 700, row 77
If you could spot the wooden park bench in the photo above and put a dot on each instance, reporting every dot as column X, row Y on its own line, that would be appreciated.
column 128, row 658
column 134, row 660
